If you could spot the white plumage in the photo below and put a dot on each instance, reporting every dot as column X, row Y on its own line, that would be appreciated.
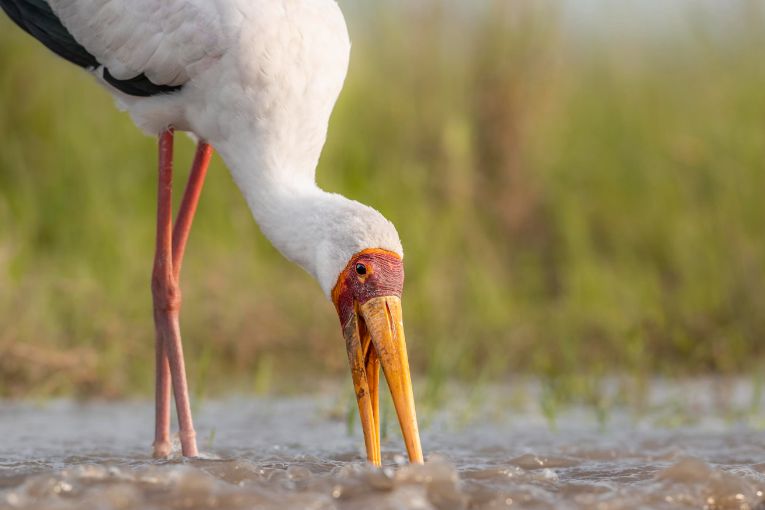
column 170, row 41
column 260, row 79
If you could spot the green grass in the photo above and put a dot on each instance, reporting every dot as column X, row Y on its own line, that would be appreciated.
column 569, row 209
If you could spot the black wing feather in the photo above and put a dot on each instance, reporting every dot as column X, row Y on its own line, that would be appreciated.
column 38, row 19
column 139, row 85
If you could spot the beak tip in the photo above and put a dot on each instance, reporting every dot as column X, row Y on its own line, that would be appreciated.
column 384, row 323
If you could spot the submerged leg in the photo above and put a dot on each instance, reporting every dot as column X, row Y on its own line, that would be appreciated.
column 171, row 243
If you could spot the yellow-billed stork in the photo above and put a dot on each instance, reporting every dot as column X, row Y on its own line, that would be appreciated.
column 256, row 80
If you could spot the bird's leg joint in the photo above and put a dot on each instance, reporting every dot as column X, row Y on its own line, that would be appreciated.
column 166, row 293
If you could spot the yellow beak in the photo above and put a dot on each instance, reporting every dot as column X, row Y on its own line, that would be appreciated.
column 374, row 335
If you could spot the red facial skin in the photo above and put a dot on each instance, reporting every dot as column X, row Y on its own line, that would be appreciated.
column 384, row 277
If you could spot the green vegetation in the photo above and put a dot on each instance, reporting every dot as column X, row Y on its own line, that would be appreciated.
column 570, row 206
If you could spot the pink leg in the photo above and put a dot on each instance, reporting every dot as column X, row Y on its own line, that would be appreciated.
column 162, row 445
column 171, row 243
column 162, row 389
column 189, row 204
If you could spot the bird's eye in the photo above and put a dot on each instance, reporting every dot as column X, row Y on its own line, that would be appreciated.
column 361, row 269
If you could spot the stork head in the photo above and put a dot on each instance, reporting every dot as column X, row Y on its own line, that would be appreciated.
column 367, row 296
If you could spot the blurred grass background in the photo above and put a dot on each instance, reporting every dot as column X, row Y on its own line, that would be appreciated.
column 572, row 202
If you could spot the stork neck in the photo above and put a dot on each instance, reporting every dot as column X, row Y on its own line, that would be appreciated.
column 318, row 230
column 290, row 209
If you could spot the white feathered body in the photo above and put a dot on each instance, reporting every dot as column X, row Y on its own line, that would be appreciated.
column 270, row 69
column 260, row 79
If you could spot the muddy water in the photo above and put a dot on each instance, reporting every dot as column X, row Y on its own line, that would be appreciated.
column 692, row 445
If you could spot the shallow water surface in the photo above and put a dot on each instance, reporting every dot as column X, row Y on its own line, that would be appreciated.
column 690, row 447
